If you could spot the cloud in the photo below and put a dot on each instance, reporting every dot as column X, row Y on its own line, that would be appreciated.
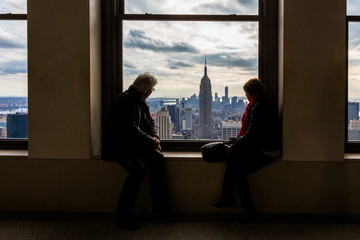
column 129, row 64
column 144, row 6
column 13, row 85
column 353, row 7
column 214, row 8
column 137, row 39
column 228, row 7
column 4, row 43
column 11, row 6
column 230, row 60
column 246, row 2
column 179, row 64
column 354, row 44
column 13, row 67
column 8, row 41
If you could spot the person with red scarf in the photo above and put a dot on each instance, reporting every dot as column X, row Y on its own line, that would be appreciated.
column 250, row 151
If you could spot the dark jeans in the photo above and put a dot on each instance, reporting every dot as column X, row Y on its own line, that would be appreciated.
column 141, row 163
column 238, row 167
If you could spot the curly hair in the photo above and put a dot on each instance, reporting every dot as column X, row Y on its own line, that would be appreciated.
column 254, row 87
column 144, row 82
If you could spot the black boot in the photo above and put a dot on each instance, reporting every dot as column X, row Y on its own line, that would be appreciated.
column 225, row 201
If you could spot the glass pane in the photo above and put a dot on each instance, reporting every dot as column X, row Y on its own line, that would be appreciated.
column 13, row 79
column 240, row 7
column 13, row 6
column 354, row 82
column 353, row 7
column 175, row 53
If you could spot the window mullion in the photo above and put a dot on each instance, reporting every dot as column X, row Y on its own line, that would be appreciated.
column 10, row 16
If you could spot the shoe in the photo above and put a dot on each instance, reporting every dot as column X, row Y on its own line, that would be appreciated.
column 247, row 218
column 224, row 202
column 128, row 223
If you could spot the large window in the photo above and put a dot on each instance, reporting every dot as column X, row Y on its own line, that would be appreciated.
column 188, row 45
column 13, row 71
column 353, row 121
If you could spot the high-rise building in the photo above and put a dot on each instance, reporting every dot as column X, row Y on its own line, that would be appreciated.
column 226, row 95
column 17, row 125
column 174, row 115
column 234, row 102
column 188, row 118
column 182, row 116
column 230, row 129
column 353, row 111
column 205, row 106
column 164, row 124
column 2, row 132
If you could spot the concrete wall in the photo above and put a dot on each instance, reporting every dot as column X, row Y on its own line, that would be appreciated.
column 64, row 72
column 313, row 70
column 61, row 173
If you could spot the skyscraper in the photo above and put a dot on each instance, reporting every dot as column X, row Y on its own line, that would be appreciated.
column 174, row 114
column 188, row 118
column 205, row 108
column 230, row 129
column 164, row 124
column 353, row 111
column 226, row 95
column 17, row 125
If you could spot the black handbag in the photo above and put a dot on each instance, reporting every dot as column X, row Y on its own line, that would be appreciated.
column 214, row 152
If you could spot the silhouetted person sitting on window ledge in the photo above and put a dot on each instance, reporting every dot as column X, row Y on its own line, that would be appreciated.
column 251, row 150
column 130, row 139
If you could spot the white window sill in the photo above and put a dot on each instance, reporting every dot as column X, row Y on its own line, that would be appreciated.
column 352, row 157
column 175, row 156
column 14, row 154
column 183, row 156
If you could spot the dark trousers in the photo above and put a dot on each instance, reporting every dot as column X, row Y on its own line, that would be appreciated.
column 238, row 167
column 141, row 163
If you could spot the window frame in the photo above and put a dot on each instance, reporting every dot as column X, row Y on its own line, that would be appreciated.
column 113, row 15
column 350, row 146
column 13, row 144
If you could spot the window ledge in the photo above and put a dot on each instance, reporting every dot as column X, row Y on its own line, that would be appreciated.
column 6, row 154
column 352, row 156
column 183, row 156
column 170, row 155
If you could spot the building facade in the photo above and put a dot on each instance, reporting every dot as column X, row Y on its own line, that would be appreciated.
column 230, row 129
column 205, row 106
column 17, row 125
column 164, row 125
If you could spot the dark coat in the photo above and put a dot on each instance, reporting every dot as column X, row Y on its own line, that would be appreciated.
column 262, row 133
column 129, row 127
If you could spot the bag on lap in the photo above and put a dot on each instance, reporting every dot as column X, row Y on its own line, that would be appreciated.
column 214, row 152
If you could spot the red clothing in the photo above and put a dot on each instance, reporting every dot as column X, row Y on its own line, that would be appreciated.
column 245, row 119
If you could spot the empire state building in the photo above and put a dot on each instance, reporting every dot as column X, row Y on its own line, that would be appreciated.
column 205, row 108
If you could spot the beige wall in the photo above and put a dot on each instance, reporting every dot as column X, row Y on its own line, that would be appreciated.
column 63, row 40
column 313, row 54
column 64, row 121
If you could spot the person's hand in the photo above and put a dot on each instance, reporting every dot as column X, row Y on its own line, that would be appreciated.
column 231, row 141
column 156, row 143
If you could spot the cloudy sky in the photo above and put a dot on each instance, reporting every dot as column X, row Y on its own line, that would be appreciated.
column 173, row 51
column 354, row 60
column 13, row 51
